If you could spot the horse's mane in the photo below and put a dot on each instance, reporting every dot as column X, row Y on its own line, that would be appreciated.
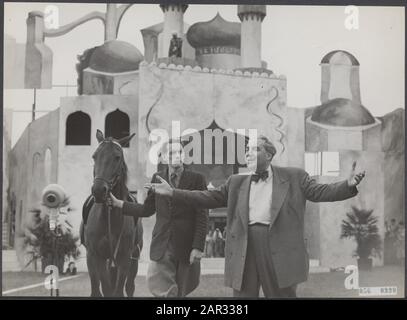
column 124, row 177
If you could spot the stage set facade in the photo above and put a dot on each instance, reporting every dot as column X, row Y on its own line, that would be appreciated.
column 219, row 82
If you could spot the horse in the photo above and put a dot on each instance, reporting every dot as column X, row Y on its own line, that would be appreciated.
column 109, row 237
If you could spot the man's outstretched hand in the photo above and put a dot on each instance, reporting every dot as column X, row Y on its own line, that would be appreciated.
column 355, row 178
column 162, row 188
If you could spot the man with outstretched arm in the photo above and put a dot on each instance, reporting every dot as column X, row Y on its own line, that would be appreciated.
column 265, row 220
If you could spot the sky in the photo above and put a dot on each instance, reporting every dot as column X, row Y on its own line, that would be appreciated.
column 294, row 40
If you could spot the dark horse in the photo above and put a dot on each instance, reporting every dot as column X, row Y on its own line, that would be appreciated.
column 110, row 238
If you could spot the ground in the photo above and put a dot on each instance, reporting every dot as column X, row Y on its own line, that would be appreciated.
column 321, row 285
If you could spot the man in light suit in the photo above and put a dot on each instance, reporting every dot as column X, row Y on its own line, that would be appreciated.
column 265, row 221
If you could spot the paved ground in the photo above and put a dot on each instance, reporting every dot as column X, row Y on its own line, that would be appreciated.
column 322, row 285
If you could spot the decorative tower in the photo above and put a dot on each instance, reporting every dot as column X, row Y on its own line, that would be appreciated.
column 340, row 76
column 251, row 17
column 173, row 22
column 38, row 56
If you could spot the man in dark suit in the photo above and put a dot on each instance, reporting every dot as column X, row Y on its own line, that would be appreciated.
column 179, row 233
column 265, row 221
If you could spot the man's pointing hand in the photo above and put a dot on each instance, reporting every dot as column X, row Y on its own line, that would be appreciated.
column 162, row 188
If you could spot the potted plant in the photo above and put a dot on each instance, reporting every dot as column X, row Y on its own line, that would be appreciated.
column 362, row 226
column 53, row 247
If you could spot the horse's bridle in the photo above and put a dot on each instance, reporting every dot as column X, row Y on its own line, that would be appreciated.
column 111, row 184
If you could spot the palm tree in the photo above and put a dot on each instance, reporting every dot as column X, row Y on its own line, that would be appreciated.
column 362, row 226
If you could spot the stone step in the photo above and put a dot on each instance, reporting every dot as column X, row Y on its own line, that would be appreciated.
column 10, row 261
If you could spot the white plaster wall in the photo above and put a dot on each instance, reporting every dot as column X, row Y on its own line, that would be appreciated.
column 219, row 61
column 27, row 182
column 75, row 171
column 196, row 98
column 295, row 147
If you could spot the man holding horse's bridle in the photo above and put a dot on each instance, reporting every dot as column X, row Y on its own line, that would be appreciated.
column 178, row 239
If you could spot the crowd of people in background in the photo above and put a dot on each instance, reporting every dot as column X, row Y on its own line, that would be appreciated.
column 215, row 243
column 394, row 242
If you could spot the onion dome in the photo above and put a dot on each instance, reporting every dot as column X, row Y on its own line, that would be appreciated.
column 115, row 56
column 342, row 112
column 216, row 32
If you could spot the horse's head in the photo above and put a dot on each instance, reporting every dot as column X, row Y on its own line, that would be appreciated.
column 108, row 165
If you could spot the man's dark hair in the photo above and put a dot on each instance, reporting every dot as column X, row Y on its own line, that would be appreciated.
column 268, row 145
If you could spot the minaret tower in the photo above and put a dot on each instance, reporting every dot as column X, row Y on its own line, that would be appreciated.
column 173, row 22
column 251, row 17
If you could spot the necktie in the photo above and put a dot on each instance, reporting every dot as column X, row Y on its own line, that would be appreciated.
column 260, row 175
column 173, row 179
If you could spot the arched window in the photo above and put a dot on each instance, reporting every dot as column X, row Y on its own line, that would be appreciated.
column 117, row 125
column 78, row 129
column 36, row 165
column 37, row 177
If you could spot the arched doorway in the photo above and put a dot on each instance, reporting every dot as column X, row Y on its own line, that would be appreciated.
column 78, row 126
column 117, row 125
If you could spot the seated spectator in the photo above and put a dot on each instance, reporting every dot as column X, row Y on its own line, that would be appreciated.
column 71, row 270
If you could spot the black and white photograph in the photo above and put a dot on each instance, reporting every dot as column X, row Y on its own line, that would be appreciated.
column 234, row 151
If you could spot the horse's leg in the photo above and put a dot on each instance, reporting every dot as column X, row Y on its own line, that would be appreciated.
column 94, row 276
column 120, row 280
column 131, row 277
column 104, row 277
column 113, row 274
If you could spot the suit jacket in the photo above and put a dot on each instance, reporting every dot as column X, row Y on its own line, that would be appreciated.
column 291, row 188
column 183, row 224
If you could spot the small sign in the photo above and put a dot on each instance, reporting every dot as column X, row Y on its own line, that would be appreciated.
column 377, row 291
